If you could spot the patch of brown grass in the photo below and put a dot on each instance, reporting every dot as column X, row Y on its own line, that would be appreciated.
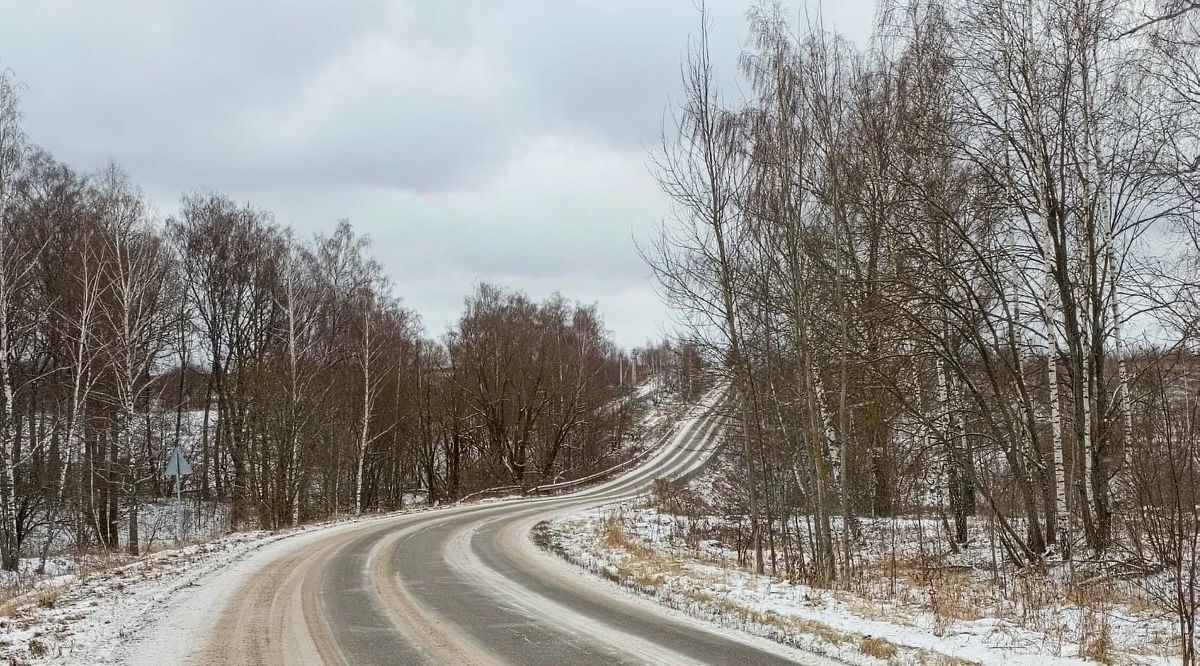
column 899, row 608
column 822, row 631
column 47, row 596
column 1097, row 644
column 936, row 659
column 649, row 569
column 952, row 598
column 878, row 648
column 1095, row 635
column 786, row 625
column 1139, row 604
column 613, row 535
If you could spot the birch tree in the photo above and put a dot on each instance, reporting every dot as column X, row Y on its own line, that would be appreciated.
column 15, row 265
column 138, row 313
column 701, row 169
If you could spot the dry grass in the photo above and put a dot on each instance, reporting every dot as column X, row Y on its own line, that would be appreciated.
column 822, row 631
column 646, row 568
column 934, row 659
column 9, row 608
column 1097, row 643
column 904, row 607
column 1026, row 600
column 1095, row 602
column 878, row 648
column 902, row 593
column 47, row 596
column 952, row 598
column 8, row 593
column 729, row 608
column 1139, row 604
column 613, row 535
column 649, row 569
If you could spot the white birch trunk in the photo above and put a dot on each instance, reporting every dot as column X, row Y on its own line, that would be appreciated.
column 1062, row 516
column 11, row 143
column 293, row 369
column 1119, row 348
column 1051, row 297
column 1086, row 448
column 80, row 384
column 8, row 507
column 364, row 436
column 832, row 448
column 943, row 421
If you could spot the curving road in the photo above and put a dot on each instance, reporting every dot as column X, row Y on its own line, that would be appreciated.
column 459, row 585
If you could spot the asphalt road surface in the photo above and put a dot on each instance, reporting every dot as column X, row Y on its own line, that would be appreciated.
column 459, row 585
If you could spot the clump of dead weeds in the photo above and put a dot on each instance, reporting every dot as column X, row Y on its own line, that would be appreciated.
column 951, row 598
column 878, row 648
column 613, row 535
column 47, row 596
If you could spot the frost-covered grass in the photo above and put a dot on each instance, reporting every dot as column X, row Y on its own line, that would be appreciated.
column 907, row 603
column 95, row 601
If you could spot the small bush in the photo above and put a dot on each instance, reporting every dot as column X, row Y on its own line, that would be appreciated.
column 675, row 499
column 878, row 648
column 951, row 598
column 47, row 597
column 1096, row 642
column 612, row 533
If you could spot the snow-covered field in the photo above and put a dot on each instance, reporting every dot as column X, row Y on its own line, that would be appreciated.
column 893, row 612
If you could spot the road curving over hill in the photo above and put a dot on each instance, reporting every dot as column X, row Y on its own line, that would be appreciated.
column 457, row 585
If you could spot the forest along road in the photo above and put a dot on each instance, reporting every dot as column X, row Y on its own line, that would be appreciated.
column 459, row 585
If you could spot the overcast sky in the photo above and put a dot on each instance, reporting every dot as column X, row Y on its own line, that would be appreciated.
column 490, row 140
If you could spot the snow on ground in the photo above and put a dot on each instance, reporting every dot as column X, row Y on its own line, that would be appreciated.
column 97, row 604
column 894, row 613
column 660, row 409
column 84, row 612
column 161, row 524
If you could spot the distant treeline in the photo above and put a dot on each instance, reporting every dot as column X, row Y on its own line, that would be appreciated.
column 286, row 367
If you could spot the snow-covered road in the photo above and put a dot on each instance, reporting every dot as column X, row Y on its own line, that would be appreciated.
column 462, row 585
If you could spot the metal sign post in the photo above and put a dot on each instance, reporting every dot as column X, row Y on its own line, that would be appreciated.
column 177, row 466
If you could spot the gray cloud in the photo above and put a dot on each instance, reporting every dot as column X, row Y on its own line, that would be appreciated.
column 472, row 140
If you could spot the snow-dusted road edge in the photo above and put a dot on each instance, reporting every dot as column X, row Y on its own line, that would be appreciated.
column 91, row 618
column 782, row 612
column 563, row 538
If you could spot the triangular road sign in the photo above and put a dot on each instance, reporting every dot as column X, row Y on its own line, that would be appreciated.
column 177, row 465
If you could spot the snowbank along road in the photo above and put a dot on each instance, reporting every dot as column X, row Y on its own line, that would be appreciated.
column 459, row 585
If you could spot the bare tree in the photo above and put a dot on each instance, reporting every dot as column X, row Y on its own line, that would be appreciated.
column 16, row 262
column 138, row 313
column 701, row 168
